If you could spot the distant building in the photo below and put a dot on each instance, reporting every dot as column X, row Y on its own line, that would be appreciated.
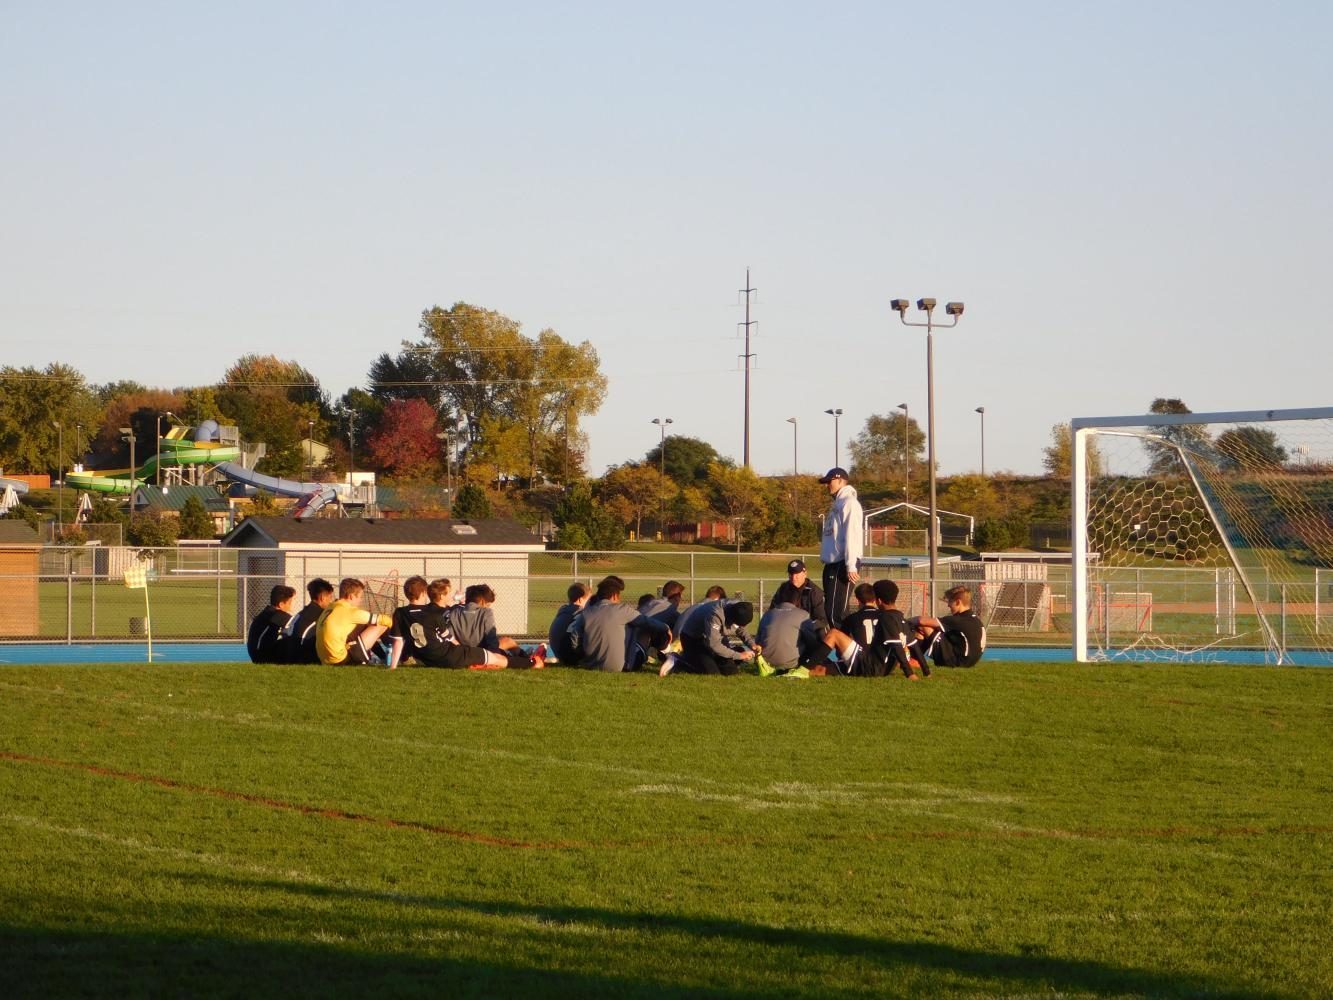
column 383, row 552
column 20, row 559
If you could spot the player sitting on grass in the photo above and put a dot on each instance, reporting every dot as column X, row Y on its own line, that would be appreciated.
column 265, row 641
column 787, row 633
column 611, row 636
column 956, row 640
column 422, row 632
column 876, row 642
column 301, row 630
column 557, row 637
column 474, row 625
column 703, row 639
column 346, row 632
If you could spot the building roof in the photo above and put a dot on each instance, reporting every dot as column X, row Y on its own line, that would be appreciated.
column 173, row 498
column 16, row 532
column 426, row 532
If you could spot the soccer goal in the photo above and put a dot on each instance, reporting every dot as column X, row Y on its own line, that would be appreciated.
column 1203, row 536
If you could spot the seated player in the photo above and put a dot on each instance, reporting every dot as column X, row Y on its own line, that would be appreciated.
column 557, row 637
column 612, row 636
column 474, row 625
column 346, row 633
column 809, row 598
column 704, row 649
column 876, row 641
column 300, row 641
column 265, row 641
column 956, row 640
column 787, row 634
column 666, row 608
column 422, row 632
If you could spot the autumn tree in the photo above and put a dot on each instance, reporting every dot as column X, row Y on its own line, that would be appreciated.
column 741, row 496
column 484, row 365
column 638, row 490
column 273, row 401
column 887, row 448
column 405, row 444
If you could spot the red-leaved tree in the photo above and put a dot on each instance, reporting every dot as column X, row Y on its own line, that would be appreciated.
column 405, row 446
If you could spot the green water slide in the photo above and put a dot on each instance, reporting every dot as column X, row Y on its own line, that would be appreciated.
column 174, row 452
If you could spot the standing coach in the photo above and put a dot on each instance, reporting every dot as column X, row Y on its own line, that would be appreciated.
column 840, row 548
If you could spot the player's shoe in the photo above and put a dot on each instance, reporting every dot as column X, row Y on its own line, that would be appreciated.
column 668, row 665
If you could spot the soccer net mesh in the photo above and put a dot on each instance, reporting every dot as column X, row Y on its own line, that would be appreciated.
column 1199, row 536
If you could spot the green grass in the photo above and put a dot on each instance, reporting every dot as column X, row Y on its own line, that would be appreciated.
column 1015, row 830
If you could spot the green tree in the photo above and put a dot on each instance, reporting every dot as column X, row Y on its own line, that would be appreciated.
column 32, row 401
column 687, row 458
column 152, row 531
column 887, row 448
column 471, row 502
column 1250, row 449
column 974, row 495
column 1164, row 459
column 584, row 523
column 195, row 521
column 502, row 445
column 1058, row 456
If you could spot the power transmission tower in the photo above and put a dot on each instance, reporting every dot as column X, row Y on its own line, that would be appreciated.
column 747, row 291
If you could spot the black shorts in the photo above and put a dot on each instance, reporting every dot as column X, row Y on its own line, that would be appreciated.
column 455, row 657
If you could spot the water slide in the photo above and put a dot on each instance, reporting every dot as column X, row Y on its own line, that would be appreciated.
column 17, row 485
column 176, row 448
column 314, row 496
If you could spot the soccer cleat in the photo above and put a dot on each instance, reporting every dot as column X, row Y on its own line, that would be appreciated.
column 668, row 665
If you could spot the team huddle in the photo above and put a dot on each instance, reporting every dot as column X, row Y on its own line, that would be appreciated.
column 804, row 631
column 595, row 630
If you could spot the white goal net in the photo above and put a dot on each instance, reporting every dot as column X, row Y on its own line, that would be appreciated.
column 1205, row 536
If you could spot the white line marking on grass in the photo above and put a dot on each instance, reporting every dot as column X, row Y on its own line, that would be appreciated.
column 800, row 795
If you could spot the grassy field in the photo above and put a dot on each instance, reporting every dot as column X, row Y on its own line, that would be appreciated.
column 1015, row 830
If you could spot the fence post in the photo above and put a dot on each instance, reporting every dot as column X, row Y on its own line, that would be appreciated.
column 1283, row 595
column 217, row 573
column 575, row 574
column 69, row 599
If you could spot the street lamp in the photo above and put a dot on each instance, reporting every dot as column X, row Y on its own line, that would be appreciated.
column 310, row 448
column 60, row 483
column 835, row 414
column 795, row 471
column 954, row 309
column 157, row 461
column 982, row 411
column 662, row 422
column 78, row 443
column 128, row 435
column 907, row 454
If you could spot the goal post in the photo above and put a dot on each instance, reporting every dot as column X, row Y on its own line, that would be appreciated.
column 1188, row 500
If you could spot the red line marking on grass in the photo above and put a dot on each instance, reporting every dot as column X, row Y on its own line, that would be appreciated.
column 323, row 812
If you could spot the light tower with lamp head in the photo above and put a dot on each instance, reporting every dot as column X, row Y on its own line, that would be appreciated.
column 955, row 310
column 835, row 414
column 60, row 471
column 982, row 411
column 662, row 422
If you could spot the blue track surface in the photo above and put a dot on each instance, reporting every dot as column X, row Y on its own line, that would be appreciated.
column 203, row 652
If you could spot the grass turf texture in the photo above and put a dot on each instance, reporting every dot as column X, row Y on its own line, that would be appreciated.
column 1013, row 830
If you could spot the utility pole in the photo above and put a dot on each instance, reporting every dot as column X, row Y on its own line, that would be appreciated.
column 748, row 292
column 351, row 445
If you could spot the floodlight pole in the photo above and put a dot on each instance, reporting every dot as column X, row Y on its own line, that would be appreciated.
column 662, row 422
column 954, row 309
column 60, row 471
column 907, row 454
column 982, row 411
column 795, row 470
column 836, row 414
column 128, row 435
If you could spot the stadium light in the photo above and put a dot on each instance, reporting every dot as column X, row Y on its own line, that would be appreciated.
column 835, row 414
column 661, row 467
column 128, row 435
column 955, row 310
column 60, row 471
column 795, row 470
column 982, row 411
column 907, row 454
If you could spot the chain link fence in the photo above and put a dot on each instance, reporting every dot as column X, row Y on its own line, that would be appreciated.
column 208, row 593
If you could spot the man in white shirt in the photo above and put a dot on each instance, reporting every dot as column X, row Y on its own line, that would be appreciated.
column 841, row 547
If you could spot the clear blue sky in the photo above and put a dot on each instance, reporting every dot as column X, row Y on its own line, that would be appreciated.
column 1133, row 199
